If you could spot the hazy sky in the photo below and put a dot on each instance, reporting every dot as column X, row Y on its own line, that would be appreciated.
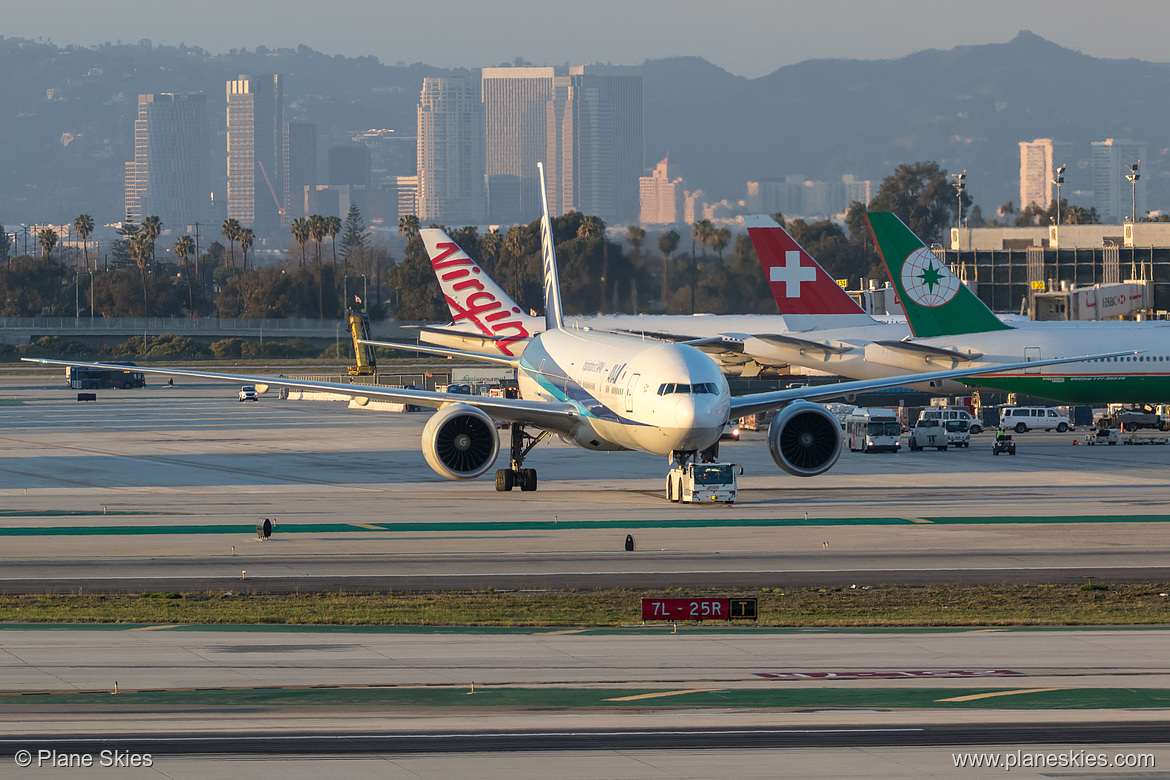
column 747, row 37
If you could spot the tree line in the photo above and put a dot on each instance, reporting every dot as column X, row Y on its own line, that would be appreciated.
column 701, row 268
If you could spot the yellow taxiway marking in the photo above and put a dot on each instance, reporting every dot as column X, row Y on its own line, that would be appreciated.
column 984, row 631
column 152, row 628
column 975, row 696
column 662, row 694
column 920, row 520
column 560, row 633
column 368, row 526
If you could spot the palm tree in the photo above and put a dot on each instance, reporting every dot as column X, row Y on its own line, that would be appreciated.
column 667, row 245
column 300, row 232
column 231, row 231
column 184, row 246
column 701, row 230
column 48, row 240
column 332, row 228
column 84, row 227
column 152, row 228
column 720, row 238
column 408, row 225
column 317, row 231
column 594, row 227
column 490, row 246
column 635, row 237
column 247, row 237
column 140, row 250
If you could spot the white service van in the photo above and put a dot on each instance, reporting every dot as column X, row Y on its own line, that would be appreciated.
column 1026, row 418
column 958, row 433
column 952, row 413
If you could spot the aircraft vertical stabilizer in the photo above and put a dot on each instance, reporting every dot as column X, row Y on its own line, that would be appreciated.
column 472, row 296
column 936, row 302
column 807, row 296
column 553, row 313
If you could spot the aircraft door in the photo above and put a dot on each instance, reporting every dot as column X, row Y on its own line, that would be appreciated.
column 1031, row 354
column 630, row 391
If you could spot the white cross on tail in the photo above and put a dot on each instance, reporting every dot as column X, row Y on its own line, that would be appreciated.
column 792, row 274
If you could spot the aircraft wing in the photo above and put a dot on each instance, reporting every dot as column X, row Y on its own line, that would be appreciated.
column 555, row 417
column 446, row 330
column 926, row 351
column 445, row 352
column 802, row 345
column 761, row 402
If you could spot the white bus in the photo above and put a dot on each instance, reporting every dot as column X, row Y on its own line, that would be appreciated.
column 873, row 430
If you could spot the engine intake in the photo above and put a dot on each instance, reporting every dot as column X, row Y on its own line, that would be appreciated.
column 460, row 442
column 804, row 439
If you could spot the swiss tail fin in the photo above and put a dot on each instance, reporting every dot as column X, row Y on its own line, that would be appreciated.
column 936, row 302
column 472, row 296
column 808, row 297
column 553, row 313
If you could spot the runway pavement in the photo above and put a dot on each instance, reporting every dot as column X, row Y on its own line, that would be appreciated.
column 161, row 488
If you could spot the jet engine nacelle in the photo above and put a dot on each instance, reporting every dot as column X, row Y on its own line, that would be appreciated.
column 460, row 442
column 804, row 439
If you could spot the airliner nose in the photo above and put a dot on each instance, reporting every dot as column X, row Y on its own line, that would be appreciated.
column 685, row 412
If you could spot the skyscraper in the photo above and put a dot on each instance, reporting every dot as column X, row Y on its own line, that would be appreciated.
column 300, row 167
column 1039, row 160
column 451, row 186
column 661, row 195
column 349, row 165
column 514, row 107
column 1113, row 195
column 171, row 160
column 255, row 151
column 595, row 143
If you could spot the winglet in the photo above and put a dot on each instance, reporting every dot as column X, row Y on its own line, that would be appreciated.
column 553, row 313
column 472, row 296
column 936, row 302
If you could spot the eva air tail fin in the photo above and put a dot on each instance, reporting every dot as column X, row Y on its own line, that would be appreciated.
column 553, row 313
column 936, row 302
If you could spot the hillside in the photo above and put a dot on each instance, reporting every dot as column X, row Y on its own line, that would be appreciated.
column 68, row 125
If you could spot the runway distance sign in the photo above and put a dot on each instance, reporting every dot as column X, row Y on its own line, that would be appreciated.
column 699, row 609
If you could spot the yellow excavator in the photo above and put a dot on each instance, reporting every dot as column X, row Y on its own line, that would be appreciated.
column 359, row 328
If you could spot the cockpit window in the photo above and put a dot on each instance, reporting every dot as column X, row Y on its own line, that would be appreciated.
column 699, row 388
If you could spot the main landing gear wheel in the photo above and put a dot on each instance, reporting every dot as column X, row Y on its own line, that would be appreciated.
column 517, row 476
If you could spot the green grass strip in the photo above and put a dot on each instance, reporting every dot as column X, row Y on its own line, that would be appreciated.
column 881, row 606
column 768, row 695
column 723, row 520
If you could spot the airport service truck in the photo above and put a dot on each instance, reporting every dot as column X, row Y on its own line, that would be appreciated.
column 694, row 483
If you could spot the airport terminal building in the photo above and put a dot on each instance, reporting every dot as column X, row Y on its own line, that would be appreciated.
column 1039, row 270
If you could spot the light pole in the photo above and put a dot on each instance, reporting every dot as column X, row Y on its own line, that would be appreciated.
column 1133, row 177
column 960, row 185
column 1059, row 180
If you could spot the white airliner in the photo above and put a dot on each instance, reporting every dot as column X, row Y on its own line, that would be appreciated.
column 945, row 330
column 599, row 391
